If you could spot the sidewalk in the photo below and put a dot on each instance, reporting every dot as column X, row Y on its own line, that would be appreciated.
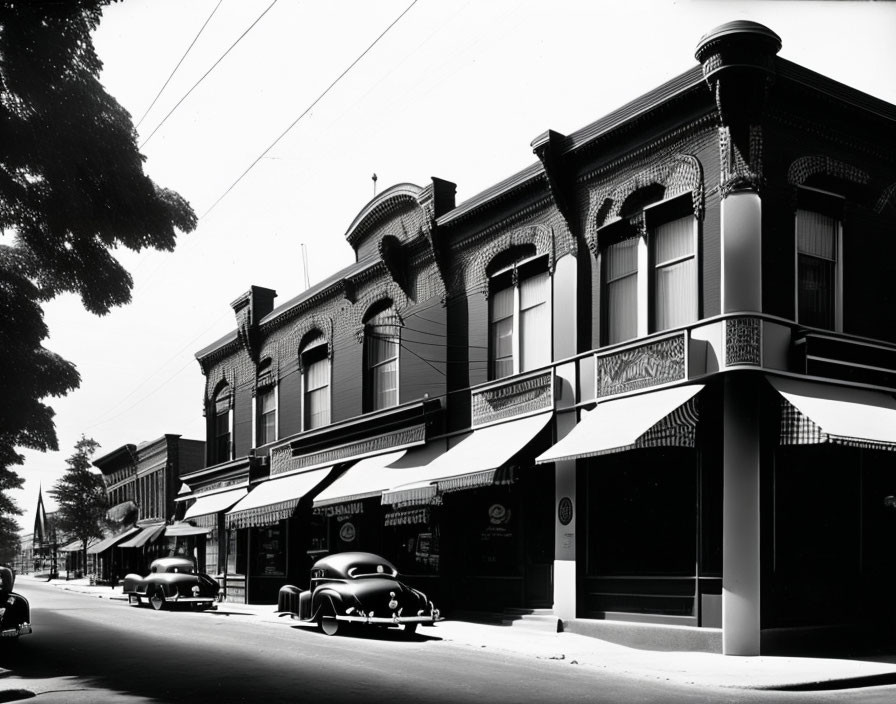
column 706, row 669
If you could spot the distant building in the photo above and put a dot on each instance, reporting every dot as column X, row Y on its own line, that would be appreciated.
column 646, row 382
column 142, row 484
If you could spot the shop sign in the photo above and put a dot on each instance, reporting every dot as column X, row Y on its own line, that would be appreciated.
column 564, row 511
column 352, row 508
column 347, row 532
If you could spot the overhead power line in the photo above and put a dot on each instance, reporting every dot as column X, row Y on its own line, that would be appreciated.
column 307, row 110
column 189, row 48
column 205, row 75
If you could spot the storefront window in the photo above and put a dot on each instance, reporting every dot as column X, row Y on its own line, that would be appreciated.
column 270, row 552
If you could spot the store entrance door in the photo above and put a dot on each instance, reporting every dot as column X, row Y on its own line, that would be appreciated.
column 538, row 522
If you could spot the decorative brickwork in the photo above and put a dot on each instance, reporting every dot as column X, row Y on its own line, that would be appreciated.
column 640, row 367
column 807, row 166
column 677, row 173
column 743, row 341
column 740, row 171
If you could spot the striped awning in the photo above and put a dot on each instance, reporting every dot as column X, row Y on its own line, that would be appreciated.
column 664, row 418
column 480, row 459
column 110, row 541
column 814, row 413
column 146, row 535
column 275, row 499
column 211, row 504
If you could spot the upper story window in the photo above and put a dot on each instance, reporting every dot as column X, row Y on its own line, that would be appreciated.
column 315, row 384
column 222, row 426
column 649, row 265
column 266, row 415
column 674, row 273
column 381, row 344
column 819, row 260
column 519, row 319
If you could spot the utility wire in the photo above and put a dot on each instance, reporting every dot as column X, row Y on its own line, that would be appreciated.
column 168, row 80
column 205, row 75
column 307, row 110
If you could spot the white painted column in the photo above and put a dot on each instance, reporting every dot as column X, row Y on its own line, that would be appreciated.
column 740, row 510
column 741, row 252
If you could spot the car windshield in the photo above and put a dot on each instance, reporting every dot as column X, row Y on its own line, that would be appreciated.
column 371, row 569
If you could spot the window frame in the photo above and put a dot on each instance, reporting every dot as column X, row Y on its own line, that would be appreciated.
column 258, row 414
column 513, row 276
column 642, row 225
column 316, row 351
column 831, row 205
column 226, row 392
column 371, row 370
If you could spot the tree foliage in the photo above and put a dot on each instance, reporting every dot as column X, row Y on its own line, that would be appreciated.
column 81, row 496
column 72, row 190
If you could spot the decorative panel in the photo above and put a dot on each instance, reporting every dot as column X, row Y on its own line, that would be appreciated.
column 519, row 396
column 652, row 364
column 743, row 341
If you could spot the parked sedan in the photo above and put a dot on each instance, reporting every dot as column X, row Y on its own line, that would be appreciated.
column 356, row 587
column 171, row 581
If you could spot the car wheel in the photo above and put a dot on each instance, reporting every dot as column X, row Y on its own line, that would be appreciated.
column 327, row 619
column 157, row 599
column 410, row 629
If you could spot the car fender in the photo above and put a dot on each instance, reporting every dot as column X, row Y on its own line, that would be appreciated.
column 325, row 597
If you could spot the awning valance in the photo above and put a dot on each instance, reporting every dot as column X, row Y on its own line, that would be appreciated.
column 110, row 541
column 146, row 535
column 275, row 499
column 479, row 459
column 213, row 503
column 814, row 413
column 664, row 418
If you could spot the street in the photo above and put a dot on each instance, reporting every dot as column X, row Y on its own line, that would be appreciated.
column 88, row 649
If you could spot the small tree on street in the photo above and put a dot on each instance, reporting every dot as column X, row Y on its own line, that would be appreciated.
column 81, row 497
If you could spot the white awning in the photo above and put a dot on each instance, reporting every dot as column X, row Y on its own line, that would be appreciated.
column 110, row 541
column 146, row 535
column 364, row 479
column 473, row 462
column 664, row 418
column 817, row 413
column 180, row 530
column 212, row 503
column 275, row 499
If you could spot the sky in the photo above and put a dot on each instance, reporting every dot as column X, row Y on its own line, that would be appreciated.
column 281, row 111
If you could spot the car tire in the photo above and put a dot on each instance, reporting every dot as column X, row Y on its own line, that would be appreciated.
column 157, row 599
column 410, row 629
column 327, row 620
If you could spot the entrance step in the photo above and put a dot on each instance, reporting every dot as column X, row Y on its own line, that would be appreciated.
column 533, row 619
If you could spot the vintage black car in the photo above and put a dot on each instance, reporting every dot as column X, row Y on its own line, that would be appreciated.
column 172, row 581
column 356, row 587
column 15, row 611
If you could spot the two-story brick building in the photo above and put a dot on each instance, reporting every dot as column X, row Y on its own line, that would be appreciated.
column 648, row 379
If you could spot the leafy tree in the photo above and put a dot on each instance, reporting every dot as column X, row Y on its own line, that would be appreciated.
column 72, row 190
column 81, row 497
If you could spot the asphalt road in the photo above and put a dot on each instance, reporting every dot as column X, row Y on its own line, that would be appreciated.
column 86, row 649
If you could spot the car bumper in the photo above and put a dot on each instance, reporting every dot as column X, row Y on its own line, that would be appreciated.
column 21, row 630
column 390, row 620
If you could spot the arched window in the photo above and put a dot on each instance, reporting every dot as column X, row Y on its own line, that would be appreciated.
column 265, row 405
column 315, row 383
column 382, row 339
column 222, row 424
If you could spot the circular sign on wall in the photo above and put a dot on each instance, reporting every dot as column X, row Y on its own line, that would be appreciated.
column 347, row 532
column 564, row 511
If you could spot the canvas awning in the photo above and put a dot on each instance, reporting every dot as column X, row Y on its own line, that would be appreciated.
column 213, row 503
column 814, row 413
column 664, row 418
column 180, row 530
column 275, row 499
column 76, row 545
column 146, row 535
column 365, row 478
column 110, row 541
column 477, row 460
